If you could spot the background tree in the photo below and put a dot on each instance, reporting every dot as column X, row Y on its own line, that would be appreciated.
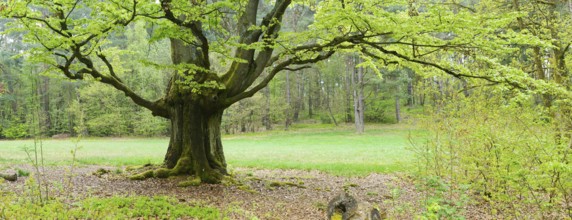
column 246, row 39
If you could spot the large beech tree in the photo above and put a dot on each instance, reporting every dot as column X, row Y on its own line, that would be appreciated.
column 245, row 39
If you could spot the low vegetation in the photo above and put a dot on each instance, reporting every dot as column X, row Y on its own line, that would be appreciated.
column 336, row 150
column 116, row 207
column 503, row 155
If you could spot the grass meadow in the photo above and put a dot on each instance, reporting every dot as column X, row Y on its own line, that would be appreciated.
column 335, row 150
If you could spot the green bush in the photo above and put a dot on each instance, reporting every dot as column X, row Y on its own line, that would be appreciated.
column 380, row 111
column 147, row 125
column 15, row 131
column 507, row 152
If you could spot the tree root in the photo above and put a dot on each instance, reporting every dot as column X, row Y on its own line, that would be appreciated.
column 141, row 176
column 212, row 177
column 193, row 181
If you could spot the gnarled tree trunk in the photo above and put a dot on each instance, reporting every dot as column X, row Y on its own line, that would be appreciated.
column 195, row 146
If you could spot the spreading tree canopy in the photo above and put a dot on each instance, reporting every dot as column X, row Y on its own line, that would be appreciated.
column 223, row 51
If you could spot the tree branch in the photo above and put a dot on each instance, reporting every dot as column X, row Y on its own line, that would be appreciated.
column 279, row 67
column 446, row 70
column 194, row 26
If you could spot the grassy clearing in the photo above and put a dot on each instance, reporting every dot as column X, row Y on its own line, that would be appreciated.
column 336, row 150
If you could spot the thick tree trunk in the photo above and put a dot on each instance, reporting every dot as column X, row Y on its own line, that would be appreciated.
column 195, row 146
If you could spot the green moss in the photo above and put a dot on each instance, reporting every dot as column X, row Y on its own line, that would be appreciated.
column 283, row 184
column 145, row 175
column 184, row 165
column 229, row 181
column 138, row 207
column 100, row 172
column 350, row 185
column 193, row 181
column 162, row 173
column 212, row 177
column 247, row 188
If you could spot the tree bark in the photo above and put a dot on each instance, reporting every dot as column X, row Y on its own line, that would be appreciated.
column 348, row 89
column 195, row 146
column 45, row 100
column 359, row 107
column 288, row 110
column 266, row 118
column 310, row 97
column 300, row 96
column 397, row 109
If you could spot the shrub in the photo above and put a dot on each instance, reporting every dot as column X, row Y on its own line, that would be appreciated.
column 15, row 131
column 509, row 154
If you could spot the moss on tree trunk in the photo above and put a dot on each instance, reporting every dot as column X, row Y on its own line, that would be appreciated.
column 195, row 147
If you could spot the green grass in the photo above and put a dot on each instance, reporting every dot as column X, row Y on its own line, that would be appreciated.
column 336, row 150
column 107, row 208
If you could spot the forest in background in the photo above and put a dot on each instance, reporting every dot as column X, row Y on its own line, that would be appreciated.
column 326, row 93
column 498, row 128
column 338, row 90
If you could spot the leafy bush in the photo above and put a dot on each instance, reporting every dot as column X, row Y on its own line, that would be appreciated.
column 380, row 111
column 107, row 125
column 146, row 125
column 15, row 131
column 509, row 153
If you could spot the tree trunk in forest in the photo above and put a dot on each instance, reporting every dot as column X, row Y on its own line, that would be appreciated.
column 348, row 89
column 287, row 113
column 45, row 100
column 329, row 106
column 397, row 109
column 358, row 98
column 300, row 97
column 410, row 95
column 195, row 146
column 10, row 84
column 310, row 104
column 540, row 74
column 266, row 118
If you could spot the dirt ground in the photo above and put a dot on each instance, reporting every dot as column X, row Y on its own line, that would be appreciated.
column 266, row 194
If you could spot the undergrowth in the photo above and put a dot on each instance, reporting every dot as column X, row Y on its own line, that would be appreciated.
column 105, row 208
column 508, row 155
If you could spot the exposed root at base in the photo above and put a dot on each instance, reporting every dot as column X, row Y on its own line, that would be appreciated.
column 212, row 177
column 193, row 181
